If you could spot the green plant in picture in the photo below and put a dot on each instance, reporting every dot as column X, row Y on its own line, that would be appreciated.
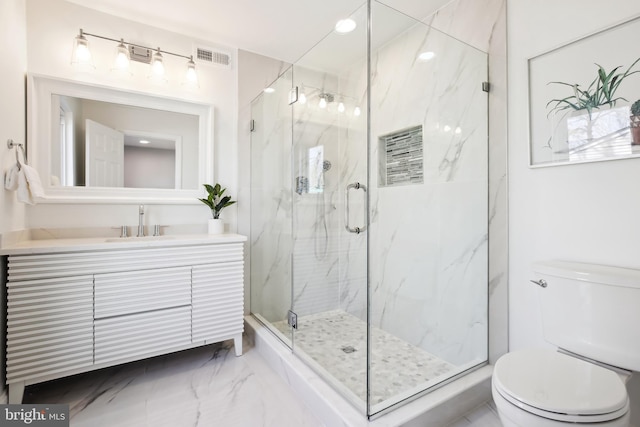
column 634, row 123
column 215, row 200
column 601, row 91
column 635, row 108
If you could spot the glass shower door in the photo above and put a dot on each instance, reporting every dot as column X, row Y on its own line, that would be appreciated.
column 428, row 184
column 271, row 189
column 329, row 262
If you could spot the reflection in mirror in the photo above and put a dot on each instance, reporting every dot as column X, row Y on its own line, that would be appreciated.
column 105, row 144
column 85, row 142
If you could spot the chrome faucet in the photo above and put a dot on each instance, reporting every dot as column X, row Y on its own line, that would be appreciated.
column 141, row 221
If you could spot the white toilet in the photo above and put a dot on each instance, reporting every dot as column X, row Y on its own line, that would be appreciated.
column 592, row 314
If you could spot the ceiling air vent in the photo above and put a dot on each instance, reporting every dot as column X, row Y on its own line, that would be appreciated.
column 206, row 55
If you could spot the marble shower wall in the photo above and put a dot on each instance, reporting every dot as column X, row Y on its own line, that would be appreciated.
column 429, row 242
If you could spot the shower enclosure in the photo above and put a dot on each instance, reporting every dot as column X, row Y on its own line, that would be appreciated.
column 369, row 222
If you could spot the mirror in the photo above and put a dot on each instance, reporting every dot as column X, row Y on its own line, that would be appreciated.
column 95, row 143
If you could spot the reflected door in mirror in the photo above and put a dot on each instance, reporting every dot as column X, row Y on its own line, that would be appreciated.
column 105, row 156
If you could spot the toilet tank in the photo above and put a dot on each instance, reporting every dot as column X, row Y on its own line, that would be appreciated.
column 592, row 310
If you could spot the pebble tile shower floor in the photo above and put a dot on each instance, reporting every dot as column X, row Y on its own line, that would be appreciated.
column 336, row 340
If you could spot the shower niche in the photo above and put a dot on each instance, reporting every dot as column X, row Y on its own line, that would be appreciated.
column 400, row 157
column 369, row 217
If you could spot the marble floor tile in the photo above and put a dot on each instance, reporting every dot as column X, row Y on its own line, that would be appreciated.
column 205, row 386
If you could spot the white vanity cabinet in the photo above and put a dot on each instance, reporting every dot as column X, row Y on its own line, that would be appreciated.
column 72, row 311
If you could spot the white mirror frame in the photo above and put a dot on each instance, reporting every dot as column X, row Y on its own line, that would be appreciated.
column 39, row 122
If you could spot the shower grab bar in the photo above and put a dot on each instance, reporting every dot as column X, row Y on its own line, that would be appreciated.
column 356, row 186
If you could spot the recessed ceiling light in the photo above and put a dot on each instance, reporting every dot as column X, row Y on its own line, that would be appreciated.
column 345, row 26
column 426, row 56
column 144, row 141
column 269, row 90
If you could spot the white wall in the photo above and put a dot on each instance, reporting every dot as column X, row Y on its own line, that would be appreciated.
column 12, row 121
column 586, row 212
column 12, row 108
column 51, row 27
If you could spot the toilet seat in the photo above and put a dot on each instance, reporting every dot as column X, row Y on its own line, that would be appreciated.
column 560, row 387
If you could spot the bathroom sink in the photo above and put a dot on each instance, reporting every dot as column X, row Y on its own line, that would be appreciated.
column 137, row 239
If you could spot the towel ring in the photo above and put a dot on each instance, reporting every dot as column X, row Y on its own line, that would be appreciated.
column 17, row 146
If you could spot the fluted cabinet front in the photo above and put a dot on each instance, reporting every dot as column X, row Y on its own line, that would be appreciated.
column 49, row 326
column 217, row 301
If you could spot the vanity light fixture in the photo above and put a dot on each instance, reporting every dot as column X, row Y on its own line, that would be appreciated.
column 144, row 141
column 191, row 77
column 319, row 98
column 127, row 52
column 302, row 98
column 325, row 99
column 81, row 56
column 122, row 59
column 157, row 64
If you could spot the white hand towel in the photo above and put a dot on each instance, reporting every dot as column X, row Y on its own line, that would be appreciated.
column 29, row 185
column 11, row 178
column 23, row 193
column 33, row 179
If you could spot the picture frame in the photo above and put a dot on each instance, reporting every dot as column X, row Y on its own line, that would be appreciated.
column 580, row 99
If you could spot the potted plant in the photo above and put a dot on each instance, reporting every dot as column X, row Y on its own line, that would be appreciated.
column 216, row 202
column 635, row 123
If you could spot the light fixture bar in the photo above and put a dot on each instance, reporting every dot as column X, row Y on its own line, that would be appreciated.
column 84, row 33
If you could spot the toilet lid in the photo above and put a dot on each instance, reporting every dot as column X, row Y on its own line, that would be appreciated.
column 556, row 383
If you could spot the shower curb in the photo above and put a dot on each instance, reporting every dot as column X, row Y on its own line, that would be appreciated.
column 436, row 409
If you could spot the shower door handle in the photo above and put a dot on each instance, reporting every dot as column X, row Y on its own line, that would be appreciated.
column 355, row 186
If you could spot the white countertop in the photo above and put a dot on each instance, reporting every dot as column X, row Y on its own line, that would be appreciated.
column 45, row 246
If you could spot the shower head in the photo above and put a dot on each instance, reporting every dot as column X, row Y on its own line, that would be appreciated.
column 326, row 165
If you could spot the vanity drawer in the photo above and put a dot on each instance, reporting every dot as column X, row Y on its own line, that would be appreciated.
column 141, row 335
column 129, row 292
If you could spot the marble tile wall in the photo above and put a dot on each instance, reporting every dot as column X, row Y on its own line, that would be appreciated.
column 428, row 253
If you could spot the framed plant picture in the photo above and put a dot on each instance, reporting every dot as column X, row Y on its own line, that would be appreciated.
column 583, row 98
